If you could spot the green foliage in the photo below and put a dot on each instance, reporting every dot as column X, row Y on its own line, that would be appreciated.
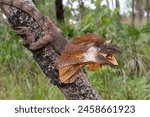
column 20, row 76
column 113, row 85
column 47, row 8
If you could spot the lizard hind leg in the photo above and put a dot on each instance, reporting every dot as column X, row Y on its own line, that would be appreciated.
column 29, row 36
column 29, row 42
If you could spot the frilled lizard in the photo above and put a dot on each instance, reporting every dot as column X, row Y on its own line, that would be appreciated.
column 48, row 27
column 88, row 50
column 85, row 50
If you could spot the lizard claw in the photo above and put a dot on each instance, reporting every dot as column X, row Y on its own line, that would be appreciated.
column 22, row 30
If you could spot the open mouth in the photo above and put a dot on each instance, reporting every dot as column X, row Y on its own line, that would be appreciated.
column 108, row 50
column 110, row 58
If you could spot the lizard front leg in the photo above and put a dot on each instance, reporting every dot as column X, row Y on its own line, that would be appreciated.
column 40, row 43
column 27, row 32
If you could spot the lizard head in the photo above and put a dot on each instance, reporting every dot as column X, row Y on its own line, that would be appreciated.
column 106, row 53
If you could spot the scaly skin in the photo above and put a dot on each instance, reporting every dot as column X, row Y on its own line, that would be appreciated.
column 50, row 30
column 89, row 50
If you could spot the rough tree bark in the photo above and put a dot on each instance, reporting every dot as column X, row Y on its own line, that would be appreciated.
column 59, row 10
column 81, row 88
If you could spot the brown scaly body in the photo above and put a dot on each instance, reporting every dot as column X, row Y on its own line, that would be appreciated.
column 88, row 50
column 50, row 30
column 77, row 52
column 75, row 49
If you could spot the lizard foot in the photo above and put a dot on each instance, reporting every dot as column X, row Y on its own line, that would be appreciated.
column 22, row 30
column 29, row 36
column 30, row 41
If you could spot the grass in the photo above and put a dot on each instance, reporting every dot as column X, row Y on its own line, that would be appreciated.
column 121, row 87
column 21, row 78
column 16, row 79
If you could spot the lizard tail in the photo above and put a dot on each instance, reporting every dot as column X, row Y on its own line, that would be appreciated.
column 42, row 20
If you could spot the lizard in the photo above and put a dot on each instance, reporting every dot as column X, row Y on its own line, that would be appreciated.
column 50, row 30
column 88, row 49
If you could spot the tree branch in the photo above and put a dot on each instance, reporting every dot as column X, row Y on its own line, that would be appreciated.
column 81, row 88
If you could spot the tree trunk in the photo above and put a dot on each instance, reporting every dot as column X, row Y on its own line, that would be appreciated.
column 118, row 6
column 133, row 14
column 59, row 10
column 107, row 3
column 81, row 8
column 71, row 7
column 112, row 2
column 81, row 89
column 140, row 12
column 148, row 10
column 34, row 1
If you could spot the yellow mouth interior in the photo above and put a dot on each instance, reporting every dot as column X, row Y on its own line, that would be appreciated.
column 111, row 58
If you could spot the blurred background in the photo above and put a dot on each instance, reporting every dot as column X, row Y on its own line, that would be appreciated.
column 127, row 22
